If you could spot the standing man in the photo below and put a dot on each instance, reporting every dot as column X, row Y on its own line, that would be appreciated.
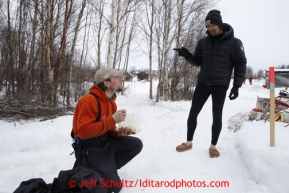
column 217, row 54
column 102, row 146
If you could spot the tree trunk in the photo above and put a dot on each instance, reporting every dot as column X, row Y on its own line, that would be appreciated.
column 28, row 81
column 151, row 26
column 165, row 47
column 20, row 51
column 174, row 81
column 49, row 67
column 111, row 35
column 72, row 53
column 43, row 86
column 78, row 93
column 62, row 49
column 130, row 37
column 160, row 73
column 11, row 88
column 101, row 12
column 122, row 45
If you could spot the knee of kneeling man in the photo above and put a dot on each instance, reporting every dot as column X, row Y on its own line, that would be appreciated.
column 139, row 144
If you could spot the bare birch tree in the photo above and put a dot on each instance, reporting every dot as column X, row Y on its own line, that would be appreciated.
column 125, row 17
column 79, row 90
column 49, row 66
column 166, row 30
column 174, row 81
column 129, row 41
column 188, row 18
column 99, row 28
column 30, row 69
column 150, row 21
column 111, row 34
column 72, row 52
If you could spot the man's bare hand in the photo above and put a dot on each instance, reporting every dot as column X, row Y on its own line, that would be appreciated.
column 119, row 116
column 124, row 131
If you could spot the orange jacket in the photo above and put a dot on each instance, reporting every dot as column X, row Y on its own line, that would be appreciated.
column 86, row 112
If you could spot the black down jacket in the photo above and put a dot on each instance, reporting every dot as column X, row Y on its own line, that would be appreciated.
column 218, row 61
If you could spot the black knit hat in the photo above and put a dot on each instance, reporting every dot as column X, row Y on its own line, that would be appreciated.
column 214, row 17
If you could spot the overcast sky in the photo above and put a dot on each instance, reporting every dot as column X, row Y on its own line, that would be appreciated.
column 262, row 26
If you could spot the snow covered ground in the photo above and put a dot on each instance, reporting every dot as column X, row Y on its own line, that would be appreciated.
column 247, row 163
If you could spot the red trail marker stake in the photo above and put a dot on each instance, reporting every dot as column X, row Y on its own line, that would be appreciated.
column 272, row 106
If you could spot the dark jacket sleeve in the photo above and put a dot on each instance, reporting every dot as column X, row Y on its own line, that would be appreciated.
column 196, row 59
column 239, row 62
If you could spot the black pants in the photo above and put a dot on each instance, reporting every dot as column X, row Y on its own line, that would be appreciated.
column 201, row 94
column 108, row 154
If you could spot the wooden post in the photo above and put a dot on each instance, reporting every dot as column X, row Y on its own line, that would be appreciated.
column 272, row 106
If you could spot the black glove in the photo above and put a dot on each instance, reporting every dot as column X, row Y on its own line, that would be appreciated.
column 234, row 93
column 183, row 52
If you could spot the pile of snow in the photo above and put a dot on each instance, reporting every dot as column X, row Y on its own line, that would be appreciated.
column 247, row 162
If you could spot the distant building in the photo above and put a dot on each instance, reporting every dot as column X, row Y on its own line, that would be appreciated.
column 142, row 76
column 281, row 78
column 128, row 76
